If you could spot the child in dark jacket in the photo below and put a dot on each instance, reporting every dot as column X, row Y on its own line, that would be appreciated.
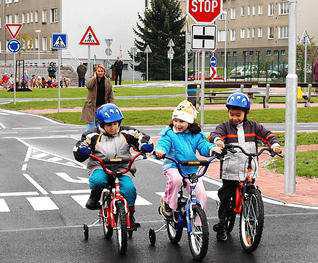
column 238, row 130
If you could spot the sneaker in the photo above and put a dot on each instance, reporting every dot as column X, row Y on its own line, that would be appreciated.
column 164, row 209
column 221, row 234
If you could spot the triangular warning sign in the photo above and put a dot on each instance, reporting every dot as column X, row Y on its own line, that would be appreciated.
column 59, row 43
column 89, row 38
column 14, row 29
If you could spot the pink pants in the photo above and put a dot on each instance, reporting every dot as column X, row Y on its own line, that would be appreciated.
column 173, row 185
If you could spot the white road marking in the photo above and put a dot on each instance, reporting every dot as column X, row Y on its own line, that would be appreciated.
column 80, row 199
column 40, row 155
column 42, row 203
column 2, row 113
column 67, row 178
column 66, row 192
column 18, row 194
column 3, row 206
column 24, row 167
column 13, row 112
column 54, row 159
column 28, row 128
column 160, row 194
column 213, row 195
column 36, row 185
column 142, row 201
column 2, row 126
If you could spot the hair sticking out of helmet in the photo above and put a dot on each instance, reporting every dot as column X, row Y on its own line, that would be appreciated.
column 238, row 100
column 108, row 113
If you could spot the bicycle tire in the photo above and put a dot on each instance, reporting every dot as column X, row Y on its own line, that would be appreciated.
column 121, row 230
column 108, row 231
column 251, row 220
column 199, row 242
column 174, row 233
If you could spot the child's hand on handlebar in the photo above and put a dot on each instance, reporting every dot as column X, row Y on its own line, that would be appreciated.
column 219, row 143
column 215, row 149
column 159, row 154
column 277, row 149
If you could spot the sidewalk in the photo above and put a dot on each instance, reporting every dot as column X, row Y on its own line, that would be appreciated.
column 272, row 184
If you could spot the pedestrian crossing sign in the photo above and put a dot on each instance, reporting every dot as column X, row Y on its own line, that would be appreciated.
column 89, row 38
column 59, row 41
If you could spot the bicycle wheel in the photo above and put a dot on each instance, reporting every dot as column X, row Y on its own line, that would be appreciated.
column 108, row 230
column 251, row 221
column 174, row 232
column 199, row 236
column 230, row 222
column 121, row 229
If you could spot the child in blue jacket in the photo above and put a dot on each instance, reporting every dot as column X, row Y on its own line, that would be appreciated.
column 180, row 140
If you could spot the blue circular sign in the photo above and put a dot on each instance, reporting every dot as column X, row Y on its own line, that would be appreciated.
column 213, row 61
column 14, row 45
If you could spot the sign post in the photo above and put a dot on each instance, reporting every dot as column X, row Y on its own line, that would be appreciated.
column 59, row 42
column 170, row 57
column 305, row 41
column 134, row 52
column 147, row 51
column 89, row 39
column 203, row 36
column 108, row 50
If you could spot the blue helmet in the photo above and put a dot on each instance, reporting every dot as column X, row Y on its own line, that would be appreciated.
column 108, row 113
column 238, row 100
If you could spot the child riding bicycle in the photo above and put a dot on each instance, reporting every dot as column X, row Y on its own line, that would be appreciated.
column 238, row 130
column 180, row 140
column 108, row 140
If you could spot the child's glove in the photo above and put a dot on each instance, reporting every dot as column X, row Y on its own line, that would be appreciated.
column 215, row 149
column 146, row 147
column 84, row 151
column 277, row 149
column 219, row 143
column 159, row 154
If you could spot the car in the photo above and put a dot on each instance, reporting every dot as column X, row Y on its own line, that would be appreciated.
column 251, row 71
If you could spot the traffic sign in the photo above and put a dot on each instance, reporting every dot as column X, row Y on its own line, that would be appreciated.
column 108, row 51
column 14, row 29
column 170, row 44
column 89, row 38
column 109, row 42
column 14, row 46
column 305, row 39
column 204, row 11
column 203, row 37
column 148, row 50
column 59, row 41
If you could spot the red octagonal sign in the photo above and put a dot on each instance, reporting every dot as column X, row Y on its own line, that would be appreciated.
column 204, row 11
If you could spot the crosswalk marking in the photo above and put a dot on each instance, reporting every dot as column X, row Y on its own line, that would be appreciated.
column 54, row 159
column 40, row 155
column 42, row 203
column 3, row 206
column 213, row 195
column 142, row 201
column 80, row 199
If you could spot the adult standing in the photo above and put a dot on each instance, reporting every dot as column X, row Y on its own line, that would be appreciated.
column 99, row 92
column 315, row 71
column 81, row 71
column 118, row 66
column 52, row 70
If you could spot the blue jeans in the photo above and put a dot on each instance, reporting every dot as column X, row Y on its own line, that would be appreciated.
column 98, row 179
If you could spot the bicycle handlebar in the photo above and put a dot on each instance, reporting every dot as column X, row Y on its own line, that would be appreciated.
column 116, row 160
column 231, row 148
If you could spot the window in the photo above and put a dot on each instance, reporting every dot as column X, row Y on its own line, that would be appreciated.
column 53, row 15
column 243, row 33
column 232, row 35
column 44, row 16
column 253, row 10
column 0, row 47
column 8, row 19
column 16, row 18
column 0, row 23
column 271, row 9
column 27, row 18
column 44, row 44
column 270, row 33
column 8, row 1
column 260, row 10
column 283, row 8
column 36, row 43
column 31, row 17
column 221, row 36
column 16, row 1
column 232, row 10
column 248, row 11
column 283, row 32
column 268, row 52
column 242, row 11
column 248, row 33
column 252, row 32
column 22, row 18
column 260, row 32
column 36, row 16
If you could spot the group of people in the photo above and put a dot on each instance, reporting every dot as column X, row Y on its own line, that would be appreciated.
column 106, row 136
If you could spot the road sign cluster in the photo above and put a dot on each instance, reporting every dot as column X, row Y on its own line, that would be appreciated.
column 14, row 45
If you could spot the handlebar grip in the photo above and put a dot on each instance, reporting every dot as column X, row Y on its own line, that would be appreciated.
column 117, row 160
column 195, row 163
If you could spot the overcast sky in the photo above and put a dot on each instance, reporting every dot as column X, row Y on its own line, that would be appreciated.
column 108, row 18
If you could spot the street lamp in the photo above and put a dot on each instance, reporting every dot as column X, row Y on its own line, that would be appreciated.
column 38, row 31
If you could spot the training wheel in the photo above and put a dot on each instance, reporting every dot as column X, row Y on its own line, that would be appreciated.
column 85, row 228
column 152, row 237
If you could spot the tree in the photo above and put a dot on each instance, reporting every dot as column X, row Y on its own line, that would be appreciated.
column 162, row 21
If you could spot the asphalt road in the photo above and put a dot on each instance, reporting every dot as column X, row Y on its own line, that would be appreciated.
column 43, row 191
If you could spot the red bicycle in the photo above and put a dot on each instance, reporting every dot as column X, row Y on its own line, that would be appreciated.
column 247, row 203
column 113, row 212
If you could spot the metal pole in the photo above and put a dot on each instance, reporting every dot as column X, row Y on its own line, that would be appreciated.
column 170, row 67
column 59, row 58
column 147, row 65
column 305, row 66
column 202, row 89
column 89, row 62
column 186, row 59
column 291, row 104
column 133, row 66
column 225, row 49
column 15, row 79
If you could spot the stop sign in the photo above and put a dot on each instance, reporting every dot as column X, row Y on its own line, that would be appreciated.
column 204, row 11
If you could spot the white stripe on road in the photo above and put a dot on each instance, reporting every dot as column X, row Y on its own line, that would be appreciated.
column 42, row 203
column 40, row 155
column 160, row 194
column 27, row 128
column 2, row 113
column 24, row 166
column 13, row 112
column 54, row 159
column 3, row 206
column 142, row 201
column 80, row 199
column 2, row 126
column 66, row 192
column 213, row 195
column 37, row 186
column 18, row 194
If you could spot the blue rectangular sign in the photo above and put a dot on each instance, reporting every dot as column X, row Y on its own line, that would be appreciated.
column 59, row 41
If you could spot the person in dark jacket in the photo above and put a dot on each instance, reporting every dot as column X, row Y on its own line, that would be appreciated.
column 315, row 71
column 52, row 70
column 81, row 71
column 118, row 67
column 245, row 133
column 99, row 92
